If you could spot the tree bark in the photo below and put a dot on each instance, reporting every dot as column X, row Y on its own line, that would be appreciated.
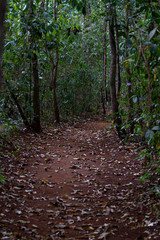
column 130, row 108
column 42, row 4
column 113, row 64
column 150, row 77
column 25, row 121
column 118, row 63
column 56, row 107
column 3, row 6
column 117, row 119
column 36, row 125
column 47, row 3
column 105, row 63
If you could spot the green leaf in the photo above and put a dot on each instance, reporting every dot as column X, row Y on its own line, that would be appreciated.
column 149, row 134
column 156, row 128
column 2, row 179
column 73, row 2
column 152, row 33
column 154, row 49
column 147, row 44
column 143, row 177
column 135, row 99
column 156, row 16
column 79, row 6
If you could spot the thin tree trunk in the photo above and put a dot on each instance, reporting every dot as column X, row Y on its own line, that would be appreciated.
column 150, row 77
column 113, row 63
column 3, row 6
column 42, row 4
column 25, row 121
column 36, row 125
column 114, row 101
column 103, row 101
column 47, row 2
column 118, row 63
column 105, row 63
column 130, row 109
column 56, row 107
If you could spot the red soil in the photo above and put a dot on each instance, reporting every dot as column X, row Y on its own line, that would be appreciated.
column 75, row 182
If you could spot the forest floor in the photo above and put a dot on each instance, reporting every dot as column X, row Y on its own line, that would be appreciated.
column 75, row 181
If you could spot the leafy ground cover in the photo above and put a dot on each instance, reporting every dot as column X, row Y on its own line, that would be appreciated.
column 75, row 182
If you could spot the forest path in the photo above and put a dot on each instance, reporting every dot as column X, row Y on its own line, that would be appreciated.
column 75, row 182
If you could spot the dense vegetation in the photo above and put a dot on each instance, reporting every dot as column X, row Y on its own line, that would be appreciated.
column 65, row 58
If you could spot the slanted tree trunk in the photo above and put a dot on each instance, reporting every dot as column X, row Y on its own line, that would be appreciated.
column 3, row 5
column 25, row 120
column 36, row 125
column 56, row 107
column 117, row 119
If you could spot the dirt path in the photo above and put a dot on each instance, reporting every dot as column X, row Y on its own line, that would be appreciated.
column 75, row 182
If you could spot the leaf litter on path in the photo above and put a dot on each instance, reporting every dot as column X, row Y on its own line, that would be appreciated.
column 75, row 182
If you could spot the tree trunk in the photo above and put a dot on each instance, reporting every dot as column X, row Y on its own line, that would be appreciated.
column 42, row 4
column 3, row 6
column 113, row 64
column 105, row 63
column 103, row 101
column 130, row 108
column 36, row 125
column 56, row 108
column 117, row 119
column 47, row 3
column 25, row 121
column 150, row 77
column 118, row 63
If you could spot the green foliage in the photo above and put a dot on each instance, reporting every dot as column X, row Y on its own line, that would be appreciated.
column 8, row 126
column 79, row 59
column 2, row 179
column 79, row 4
column 77, row 35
